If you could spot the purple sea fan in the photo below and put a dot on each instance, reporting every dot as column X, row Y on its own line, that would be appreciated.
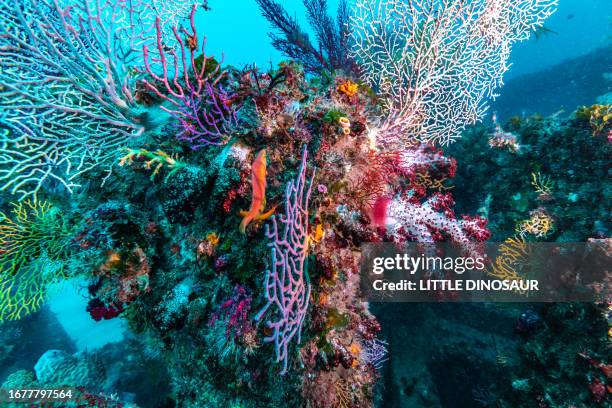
column 286, row 283
column 191, row 90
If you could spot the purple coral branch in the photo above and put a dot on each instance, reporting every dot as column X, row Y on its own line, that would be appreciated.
column 192, row 95
column 286, row 283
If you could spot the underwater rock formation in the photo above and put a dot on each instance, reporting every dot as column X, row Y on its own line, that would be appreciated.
column 542, row 176
column 56, row 367
column 566, row 86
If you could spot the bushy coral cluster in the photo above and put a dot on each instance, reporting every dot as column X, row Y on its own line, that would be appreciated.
column 599, row 118
column 153, row 161
column 235, row 311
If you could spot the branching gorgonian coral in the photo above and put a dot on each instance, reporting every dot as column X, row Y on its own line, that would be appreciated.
column 436, row 62
column 331, row 50
column 34, row 241
column 287, row 286
column 66, row 88
column 67, row 85
column 153, row 161
column 375, row 352
column 190, row 86
column 172, row 11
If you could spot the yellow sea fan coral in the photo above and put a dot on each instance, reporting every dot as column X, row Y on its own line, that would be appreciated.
column 425, row 180
column 343, row 393
column 598, row 116
column 33, row 248
column 512, row 253
column 542, row 184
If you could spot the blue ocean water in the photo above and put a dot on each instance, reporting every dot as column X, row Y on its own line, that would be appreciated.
column 237, row 29
column 69, row 304
column 578, row 27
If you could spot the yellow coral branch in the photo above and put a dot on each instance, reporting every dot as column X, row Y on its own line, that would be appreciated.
column 152, row 160
column 541, row 184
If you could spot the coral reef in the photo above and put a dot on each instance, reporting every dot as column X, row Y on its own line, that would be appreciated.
column 220, row 211
column 168, row 254
column 544, row 186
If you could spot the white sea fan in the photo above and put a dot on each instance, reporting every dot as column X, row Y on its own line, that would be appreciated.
column 437, row 62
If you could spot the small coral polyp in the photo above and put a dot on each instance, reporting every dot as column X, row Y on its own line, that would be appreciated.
column 348, row 88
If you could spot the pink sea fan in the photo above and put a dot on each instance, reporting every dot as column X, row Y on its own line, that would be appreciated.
column 190, row 87
column 286, row 283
